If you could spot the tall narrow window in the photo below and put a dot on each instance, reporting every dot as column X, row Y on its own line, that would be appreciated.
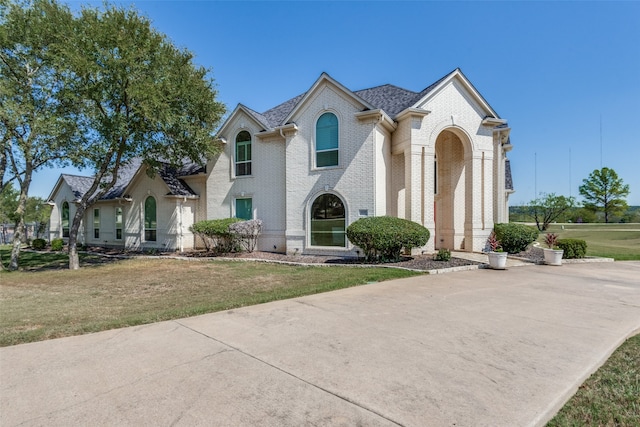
column 327, row 140
column 96, row 223
column 328, row 221
column 65, row 219
column 118, row 223
column 244, row 209
column 243, row 154
column 150, row 223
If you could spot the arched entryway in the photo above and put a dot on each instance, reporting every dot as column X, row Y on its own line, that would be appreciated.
column 453, row 189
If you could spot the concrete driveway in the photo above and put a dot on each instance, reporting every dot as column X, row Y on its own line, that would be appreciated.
column 474, row 348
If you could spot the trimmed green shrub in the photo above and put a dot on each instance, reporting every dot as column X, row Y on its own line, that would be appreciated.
column 515, row 238
column 215, row 234
column 573, row 248
column 57, row 244
column 443, row 255
column 382, row 238
column 38, row 244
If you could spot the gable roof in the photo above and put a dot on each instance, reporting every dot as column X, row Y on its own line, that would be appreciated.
column 388, row 98
column 79, row 185
column 76, row 183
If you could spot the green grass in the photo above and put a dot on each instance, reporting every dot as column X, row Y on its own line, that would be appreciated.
column 611, row 396
column 55, row 302
column 44, row 260
column 618, row 241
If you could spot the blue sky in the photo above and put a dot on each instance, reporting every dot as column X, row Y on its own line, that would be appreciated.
column 566, row 75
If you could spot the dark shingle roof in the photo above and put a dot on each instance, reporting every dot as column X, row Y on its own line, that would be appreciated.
column 125, row 175
column 389, row 98
column 259, row 117
column 177, row 187
column 277, row 114
column 508, row 180
column 78, row 184
column 171, row 176
column 392, row 99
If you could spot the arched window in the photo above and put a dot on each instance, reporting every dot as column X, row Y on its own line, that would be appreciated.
column 243, row 154
column 150, row 222
column 328, row 221
column 65, row 219
column 327, row 140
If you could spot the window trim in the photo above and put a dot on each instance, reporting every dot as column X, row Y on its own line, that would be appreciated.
column 149, row 228
column 96, row 231
column 316, row 151
column 65, row 230
column 237, row 162
column 345, row 245
column 121, row 223
column 235, row 207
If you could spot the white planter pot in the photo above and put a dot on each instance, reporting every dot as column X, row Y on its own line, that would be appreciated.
column 498, row 260
column 553, row 256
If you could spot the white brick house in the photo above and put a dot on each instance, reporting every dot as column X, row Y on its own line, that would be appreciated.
column 316, row 163
column 139, row 212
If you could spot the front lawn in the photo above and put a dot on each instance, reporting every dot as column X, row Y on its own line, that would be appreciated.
column 52, row 303
column 618, row 241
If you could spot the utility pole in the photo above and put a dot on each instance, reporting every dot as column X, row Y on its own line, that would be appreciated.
column 535, row 175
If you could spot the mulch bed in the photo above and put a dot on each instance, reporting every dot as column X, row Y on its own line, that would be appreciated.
column 416, row 262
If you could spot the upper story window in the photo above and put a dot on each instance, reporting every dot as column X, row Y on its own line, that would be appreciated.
column 65, row 219
column 150, row 221
column 243, row 154
column 327, row 140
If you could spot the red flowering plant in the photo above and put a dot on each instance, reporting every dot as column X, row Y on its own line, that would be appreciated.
column 494, row 243
column 550, row 240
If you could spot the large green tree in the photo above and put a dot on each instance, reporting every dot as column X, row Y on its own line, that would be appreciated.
column 137, row 95
column 549, row 208
column 604, row 191
column 36, row 127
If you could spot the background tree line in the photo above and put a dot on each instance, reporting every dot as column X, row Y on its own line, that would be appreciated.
column 604, row 196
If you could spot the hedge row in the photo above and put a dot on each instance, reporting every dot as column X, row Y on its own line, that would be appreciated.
column 515, row 238
column 573, row 248
column 228, row 234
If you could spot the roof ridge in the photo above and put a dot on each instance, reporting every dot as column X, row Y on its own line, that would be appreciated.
column 383, row 85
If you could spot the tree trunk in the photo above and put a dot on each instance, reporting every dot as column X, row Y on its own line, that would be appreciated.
column 22, row 204
column 74, row 259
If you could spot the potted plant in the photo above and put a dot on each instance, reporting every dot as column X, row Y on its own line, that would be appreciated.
column 552, row 255
column 497, row 257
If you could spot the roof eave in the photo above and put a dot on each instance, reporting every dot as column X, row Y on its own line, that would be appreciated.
column 380, row 116
column 412, row 112
column 178, row 196
column 277, row 131
column 493, row 121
